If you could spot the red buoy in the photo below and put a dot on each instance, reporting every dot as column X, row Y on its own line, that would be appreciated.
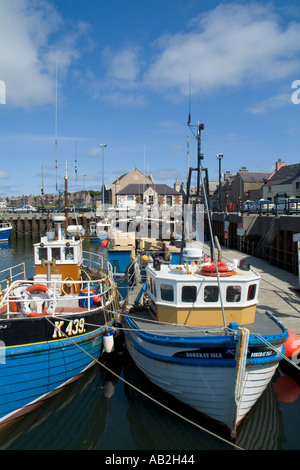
column 292, row 344
column 104, row 243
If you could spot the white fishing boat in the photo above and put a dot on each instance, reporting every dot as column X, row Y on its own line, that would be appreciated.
column 193, row 329
column 216, row 358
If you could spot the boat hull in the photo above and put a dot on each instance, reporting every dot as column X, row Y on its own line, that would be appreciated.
column 39, row 356
column 5, row 234
column 203, row 374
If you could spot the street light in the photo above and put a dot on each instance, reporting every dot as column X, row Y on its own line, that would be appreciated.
column 103, row 147
column 219, row 157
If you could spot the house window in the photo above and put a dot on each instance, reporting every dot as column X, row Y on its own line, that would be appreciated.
column 169, row 201
column 167, row 292
column 297, row 185
column 189, row 294
column 130, row 198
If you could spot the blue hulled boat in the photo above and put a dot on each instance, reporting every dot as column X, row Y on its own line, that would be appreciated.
column 193, row 329
column 5, row 231
column 199, row 338
column 52, row 327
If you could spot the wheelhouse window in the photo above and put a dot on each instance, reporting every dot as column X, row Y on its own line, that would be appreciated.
column 251, row 292
column 211, row 294
column 233, row 294
column 189, row 294
column 152, row 286
column 167, row 292
column 55, row 254
column 42, row 253
column 69, row 253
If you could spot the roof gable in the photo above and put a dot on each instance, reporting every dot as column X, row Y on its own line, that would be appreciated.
column 286, row 174
column 161, row 189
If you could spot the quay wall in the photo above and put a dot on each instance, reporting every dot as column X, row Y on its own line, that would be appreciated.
column 37, row 224
column 268, row 237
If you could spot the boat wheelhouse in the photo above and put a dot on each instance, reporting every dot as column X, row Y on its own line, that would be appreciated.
column 188, row 294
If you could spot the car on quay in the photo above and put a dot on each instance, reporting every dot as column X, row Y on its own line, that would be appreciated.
column 287, row 206
column 246, row 206
column 262, row 206
column 23, row 208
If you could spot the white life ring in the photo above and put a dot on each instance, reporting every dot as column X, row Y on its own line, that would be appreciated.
column 28, row 297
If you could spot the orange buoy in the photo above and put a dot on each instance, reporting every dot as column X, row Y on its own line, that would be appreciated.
column 292, row 344
column 104, row 243
column 145, row 258
column 286, row 389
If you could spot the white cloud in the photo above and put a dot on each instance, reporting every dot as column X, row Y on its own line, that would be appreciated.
column 270, row 104
column 231, row 45
column 3, row 175
column 124, row 64
column 29, row 51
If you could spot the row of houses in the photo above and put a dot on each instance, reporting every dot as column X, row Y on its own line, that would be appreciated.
column 134, row 188
column 283, row 182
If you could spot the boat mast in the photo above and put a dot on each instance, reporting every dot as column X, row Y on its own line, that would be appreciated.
column 66, row 196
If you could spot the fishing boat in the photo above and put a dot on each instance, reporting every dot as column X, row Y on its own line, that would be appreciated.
column 217, row 359
column 5, row 230
column 193, row 330
column 54, row 325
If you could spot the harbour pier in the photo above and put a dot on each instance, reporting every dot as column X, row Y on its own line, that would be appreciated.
column 279, row 290
column 36, row 224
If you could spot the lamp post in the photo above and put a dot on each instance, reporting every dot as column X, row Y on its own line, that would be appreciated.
column 103, row 147
column 219, row 157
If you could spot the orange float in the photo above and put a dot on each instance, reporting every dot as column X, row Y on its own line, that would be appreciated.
column 292, row 344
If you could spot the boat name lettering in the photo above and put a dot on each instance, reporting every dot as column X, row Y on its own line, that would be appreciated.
column 207, row 354
column 261, row 354
column 74, row 327
column 213, row 355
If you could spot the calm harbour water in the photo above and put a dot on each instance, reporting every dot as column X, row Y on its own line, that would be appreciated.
column 101, row 412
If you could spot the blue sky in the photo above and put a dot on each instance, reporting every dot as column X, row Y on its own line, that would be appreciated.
column 123, row 74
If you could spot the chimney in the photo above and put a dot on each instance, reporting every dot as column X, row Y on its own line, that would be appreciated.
column 279, row 164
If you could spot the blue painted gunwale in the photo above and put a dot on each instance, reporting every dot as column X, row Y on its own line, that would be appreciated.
column 219, row 341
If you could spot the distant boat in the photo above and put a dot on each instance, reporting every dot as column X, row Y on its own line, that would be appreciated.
column 103, row 230
column 55, row 325
column 5, row 230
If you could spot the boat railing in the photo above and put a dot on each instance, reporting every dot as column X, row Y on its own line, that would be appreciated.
column 94, row 260
column 8, row 275
column 64, row 293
